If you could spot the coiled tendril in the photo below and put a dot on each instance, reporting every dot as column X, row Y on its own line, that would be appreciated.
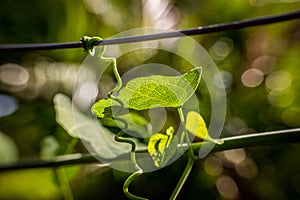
column 88, row 44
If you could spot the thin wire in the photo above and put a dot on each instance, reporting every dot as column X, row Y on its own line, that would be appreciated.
column 41, row 46
column 172, row 34
column 233, row 142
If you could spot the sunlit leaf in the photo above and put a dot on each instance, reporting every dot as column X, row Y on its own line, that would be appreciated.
column 135, row 122
column 162, row 147
column 99, row 138
column 64, row 116
column 160, row 91
column 196, row 125
column 102, row 108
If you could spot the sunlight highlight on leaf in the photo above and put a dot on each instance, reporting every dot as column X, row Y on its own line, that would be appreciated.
column 196, row 125
column 162, row 147
column 160, row 91
column 102, row 108
column 137, row 125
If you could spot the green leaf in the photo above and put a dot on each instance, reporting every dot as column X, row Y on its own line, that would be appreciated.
column 160, row 91
column 162, row 147
column 196, row 125
column 135, row 122
column 64, row 116
column 99, row 138
column 102, row 108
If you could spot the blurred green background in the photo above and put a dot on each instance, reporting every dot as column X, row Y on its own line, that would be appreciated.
column 260, row 67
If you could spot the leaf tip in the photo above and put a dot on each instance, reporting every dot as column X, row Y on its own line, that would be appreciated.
column 218, row 141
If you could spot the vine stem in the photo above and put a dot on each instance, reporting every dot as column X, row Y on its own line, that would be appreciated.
column 128, row 182
column 119, row 137
column 115, row 70
column 139, row 171
column 190, row 154
column 185, row 134
column 183, row 177
column 61, row 174
column 64, row 183
column 182, row 121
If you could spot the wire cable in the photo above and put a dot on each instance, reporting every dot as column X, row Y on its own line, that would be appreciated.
column 180, row 33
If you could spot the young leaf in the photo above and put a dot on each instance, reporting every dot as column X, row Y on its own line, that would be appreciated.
column 102, row 108
column 196, row 125
column 160, row 91
column 135, row 122
column 162, row 147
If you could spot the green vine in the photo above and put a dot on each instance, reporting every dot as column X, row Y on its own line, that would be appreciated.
column 61, row 173
column 184, row 176
column 88, row 43
column 149, row 92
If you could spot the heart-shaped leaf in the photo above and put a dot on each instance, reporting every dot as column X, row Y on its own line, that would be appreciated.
column 160, row 91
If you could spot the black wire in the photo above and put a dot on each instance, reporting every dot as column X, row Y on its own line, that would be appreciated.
column 233, row 142
column 42, row 46
column 180, row 33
